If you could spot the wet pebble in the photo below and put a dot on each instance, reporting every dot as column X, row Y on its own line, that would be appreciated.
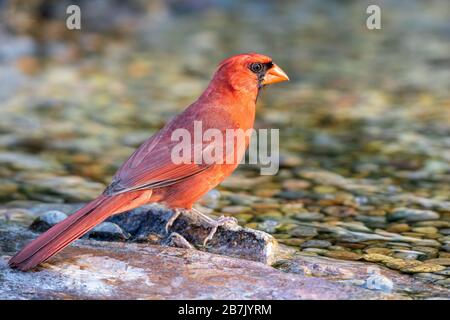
column 316, row 244
column 303, row 232
column 440, row 261
column 47, row 220
column 308, row 216
column 108, row 231
column 412, row 215
column 343, row 255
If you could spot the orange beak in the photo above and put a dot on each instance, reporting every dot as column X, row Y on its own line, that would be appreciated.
column 275, row 74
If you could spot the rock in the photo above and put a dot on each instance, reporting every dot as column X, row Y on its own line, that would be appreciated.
column 210, row 199
column 412, row 215
column 398, row 227
column 340, row 211
column 377, row 278
column 108, row 231
column 235, row 209
column 308, row 216
column 408, row 254
column 440, row 261
column 47, row 220
column 115, row 270
column 316, row 244
column 444, row 282
column 425, row 230
column 21, row 161
column 343, row 255
column 379, row 282
column 146, row 222
column 407, row 266
column 303, row 231
column 429, row 277
column 383, row 251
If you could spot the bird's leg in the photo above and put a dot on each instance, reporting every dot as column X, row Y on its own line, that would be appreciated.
column 175, row 215
column 214, row 223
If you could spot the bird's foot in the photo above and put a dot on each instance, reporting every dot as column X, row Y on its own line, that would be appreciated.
column 175, row 215
column 216, row 224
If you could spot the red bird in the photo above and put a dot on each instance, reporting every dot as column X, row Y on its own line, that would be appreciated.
column 150, row 175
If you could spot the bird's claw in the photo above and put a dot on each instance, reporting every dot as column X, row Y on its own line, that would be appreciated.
column 217, row 223
column 173, row 217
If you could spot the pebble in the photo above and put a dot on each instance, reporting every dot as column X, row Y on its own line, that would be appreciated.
column 407, row 254
column 376, row 250
column 412, row 215
column 340, row 211
column 308, row 216
column 429, row 277
column 316, row 250
column 316, row 244
column 108, row 231
column 398, row 227
column 425, row 230
column 235, row 209
column 444, row 282
column 379, row 282
column 440, row 261
column 303, row 231
column 47, row 220
column 343, row 255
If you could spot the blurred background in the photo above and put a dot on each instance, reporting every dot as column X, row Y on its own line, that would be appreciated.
column 364, row 121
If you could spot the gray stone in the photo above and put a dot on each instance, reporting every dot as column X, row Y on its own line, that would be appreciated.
column 47, row 220
column 412, row 215
column 308, row 216
column 316, row 244
column 116, row 270
column 378, row 278
column 108, row 231
column 303, row 231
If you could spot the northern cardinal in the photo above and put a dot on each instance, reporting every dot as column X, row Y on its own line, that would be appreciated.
column 150, row 175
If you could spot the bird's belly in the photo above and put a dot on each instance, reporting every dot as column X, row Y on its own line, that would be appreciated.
column 184, row 194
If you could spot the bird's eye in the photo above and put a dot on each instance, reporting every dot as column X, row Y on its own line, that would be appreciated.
column 256, row 67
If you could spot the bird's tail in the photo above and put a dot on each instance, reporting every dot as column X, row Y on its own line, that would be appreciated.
column 70, row 229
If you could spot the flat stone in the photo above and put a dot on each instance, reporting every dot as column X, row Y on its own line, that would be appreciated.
column 116, row 270
column 440, row 261
column 412, row 215
column 147, row 223
column 303, row 231
column 343, row 255
column 308, row 216
column 425, row 230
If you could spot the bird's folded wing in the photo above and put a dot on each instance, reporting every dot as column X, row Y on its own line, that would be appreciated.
column 151, row 166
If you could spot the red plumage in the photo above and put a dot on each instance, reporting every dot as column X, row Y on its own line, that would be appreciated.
column 150, row 175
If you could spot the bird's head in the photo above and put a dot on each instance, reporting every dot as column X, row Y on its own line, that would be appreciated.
column 250, row 71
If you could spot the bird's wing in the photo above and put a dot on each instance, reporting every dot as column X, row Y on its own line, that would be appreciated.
column 151, row 165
